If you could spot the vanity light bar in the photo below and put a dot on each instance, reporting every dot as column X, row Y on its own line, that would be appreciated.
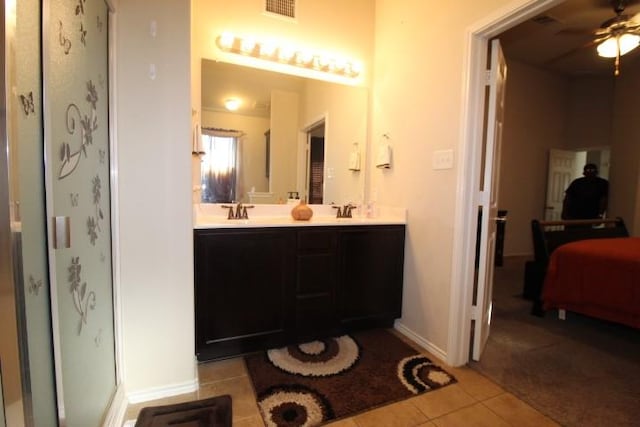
column 285, row 54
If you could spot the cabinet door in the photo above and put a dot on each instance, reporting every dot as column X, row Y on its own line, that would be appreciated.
column 315, row 283
column 242, row 280
column 371, row 273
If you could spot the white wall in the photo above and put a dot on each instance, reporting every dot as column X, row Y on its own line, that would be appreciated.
column 154, row 195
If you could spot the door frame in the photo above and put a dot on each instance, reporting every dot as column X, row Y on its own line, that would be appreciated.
column 304, row 153
column 477, row 38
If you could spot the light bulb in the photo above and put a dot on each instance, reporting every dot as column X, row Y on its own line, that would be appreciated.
column 226, row 40
column 609, row 47
column 628, row 42
column 232, row 104
column 267, row 48
column 285, row 53
column 247, row 45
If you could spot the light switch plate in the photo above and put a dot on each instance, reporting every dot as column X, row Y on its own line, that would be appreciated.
column 442, row 159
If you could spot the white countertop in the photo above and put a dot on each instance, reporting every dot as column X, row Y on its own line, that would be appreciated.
column 212, row 215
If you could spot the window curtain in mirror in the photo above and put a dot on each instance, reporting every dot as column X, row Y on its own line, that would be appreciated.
column 220, row 165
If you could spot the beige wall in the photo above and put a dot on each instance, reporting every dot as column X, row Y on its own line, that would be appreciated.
column 284, row 141
column 154, row 227
column 537, row 103
column 545, row 110
column 345, row 111
column 625, row 150
column 590, row 112
column 419, row 73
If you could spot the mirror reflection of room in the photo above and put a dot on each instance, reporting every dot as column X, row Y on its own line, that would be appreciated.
column 259, row 137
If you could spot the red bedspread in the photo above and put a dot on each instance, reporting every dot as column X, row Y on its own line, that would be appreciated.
column 597, row 277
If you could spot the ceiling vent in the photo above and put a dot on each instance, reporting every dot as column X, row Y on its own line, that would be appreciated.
column 281, row 7
column 544, row 19
column 261, row 105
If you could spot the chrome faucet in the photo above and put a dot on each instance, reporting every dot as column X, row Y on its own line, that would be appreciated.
column 346, row 211
column 240, row 211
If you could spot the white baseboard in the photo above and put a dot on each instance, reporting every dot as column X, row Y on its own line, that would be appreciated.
column 430, row 347
column 162, row 392
column 117, row 409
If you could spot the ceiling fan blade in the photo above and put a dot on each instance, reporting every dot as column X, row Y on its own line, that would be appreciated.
column 570, row 52
column 576, row 32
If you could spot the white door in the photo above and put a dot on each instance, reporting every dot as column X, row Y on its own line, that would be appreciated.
column 564, row 166
column 488, row 198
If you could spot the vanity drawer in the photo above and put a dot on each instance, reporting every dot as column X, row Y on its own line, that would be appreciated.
column 317, row 241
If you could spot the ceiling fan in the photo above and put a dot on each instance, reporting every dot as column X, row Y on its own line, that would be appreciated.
column 615, row 37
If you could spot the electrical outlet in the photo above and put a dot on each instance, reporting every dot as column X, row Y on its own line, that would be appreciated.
column 442, row 159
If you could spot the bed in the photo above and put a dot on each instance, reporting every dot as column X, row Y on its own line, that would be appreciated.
column 596, row 277
column 583, row 266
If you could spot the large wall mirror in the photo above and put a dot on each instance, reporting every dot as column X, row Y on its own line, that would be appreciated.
column 273, row 129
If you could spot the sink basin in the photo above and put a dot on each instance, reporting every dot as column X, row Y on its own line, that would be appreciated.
column 212, row 216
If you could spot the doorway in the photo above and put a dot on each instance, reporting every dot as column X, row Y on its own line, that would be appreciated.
column 315, row 163
column 563, row 167
column 469, row 172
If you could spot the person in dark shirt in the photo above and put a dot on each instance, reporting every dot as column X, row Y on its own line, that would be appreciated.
column 587, row 196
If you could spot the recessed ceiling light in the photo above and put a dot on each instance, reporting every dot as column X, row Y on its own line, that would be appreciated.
column 232, row 104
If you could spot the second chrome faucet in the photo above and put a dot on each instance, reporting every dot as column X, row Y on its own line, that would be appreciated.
column 345, row 211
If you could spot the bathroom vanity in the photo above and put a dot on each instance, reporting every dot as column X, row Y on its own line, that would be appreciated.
column 271, row 281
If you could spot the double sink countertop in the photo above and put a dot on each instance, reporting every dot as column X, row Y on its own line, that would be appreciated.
column 213, row 215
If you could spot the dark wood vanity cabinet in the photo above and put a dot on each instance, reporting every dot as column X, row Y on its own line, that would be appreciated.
column 316, row 275
column 257, row 288
column 243, row 285
column 369, row 291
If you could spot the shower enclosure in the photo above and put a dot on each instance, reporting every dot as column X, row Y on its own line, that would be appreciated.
column 57, row 345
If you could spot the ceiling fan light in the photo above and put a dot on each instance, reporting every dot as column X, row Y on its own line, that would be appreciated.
column 232, row 104
column 608, row 48
column 628, row 42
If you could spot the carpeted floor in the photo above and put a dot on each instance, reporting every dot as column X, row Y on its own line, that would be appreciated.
column 581, row 372
column 312, row 383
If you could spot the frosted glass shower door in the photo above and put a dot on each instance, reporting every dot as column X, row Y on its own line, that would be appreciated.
column 76, row 105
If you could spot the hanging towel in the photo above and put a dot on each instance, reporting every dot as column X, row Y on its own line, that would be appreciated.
column 196, row 148
column 354, row 161
column 383, row 159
